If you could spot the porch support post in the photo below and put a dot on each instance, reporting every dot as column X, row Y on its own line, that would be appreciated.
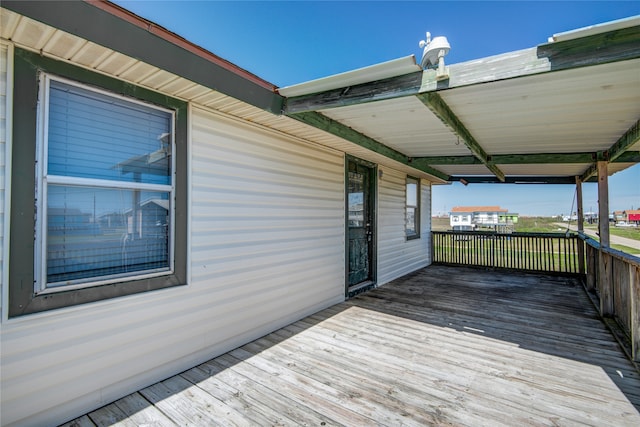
column 604, row 260
column 581, row 269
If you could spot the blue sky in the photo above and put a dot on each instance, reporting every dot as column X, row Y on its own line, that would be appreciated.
column 289, row 42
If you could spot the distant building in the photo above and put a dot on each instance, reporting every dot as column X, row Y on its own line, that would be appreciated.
column 619, row 216
column 632, row 216
column 469, row 218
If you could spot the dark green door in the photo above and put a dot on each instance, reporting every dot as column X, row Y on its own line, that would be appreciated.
column 360, row 223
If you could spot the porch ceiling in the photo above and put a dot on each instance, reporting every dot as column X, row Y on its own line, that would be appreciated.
column 546, row 114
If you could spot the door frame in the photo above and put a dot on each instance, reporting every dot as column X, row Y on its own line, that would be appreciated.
column 351, row 291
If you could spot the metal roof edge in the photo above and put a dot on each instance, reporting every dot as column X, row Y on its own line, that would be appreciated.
column 383, row 70
column 590, row 30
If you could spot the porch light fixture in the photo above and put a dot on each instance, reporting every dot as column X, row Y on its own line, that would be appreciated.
column 464, row 182
column 433, row 55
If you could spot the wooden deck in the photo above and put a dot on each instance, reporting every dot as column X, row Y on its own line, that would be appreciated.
column 443, row 346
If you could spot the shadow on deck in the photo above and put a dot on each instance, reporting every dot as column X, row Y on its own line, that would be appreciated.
column 441, row 346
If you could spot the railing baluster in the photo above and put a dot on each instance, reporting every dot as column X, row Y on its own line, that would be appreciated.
column 550, row 252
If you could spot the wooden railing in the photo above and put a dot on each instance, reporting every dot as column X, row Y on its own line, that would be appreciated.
column 548, row 252
column 613, row 277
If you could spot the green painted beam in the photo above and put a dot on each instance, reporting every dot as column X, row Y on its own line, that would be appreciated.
column 617, row 45
column 514, row 179
column 437, row 105
column 617, row 152
column 627, row 140
column 527, row 159
column 589, row 173
column 326, row 124
column 446, row 160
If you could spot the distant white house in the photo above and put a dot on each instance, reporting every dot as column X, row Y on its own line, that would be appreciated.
column 469, row 218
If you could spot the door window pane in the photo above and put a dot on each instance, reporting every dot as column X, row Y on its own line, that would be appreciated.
column 356, row 199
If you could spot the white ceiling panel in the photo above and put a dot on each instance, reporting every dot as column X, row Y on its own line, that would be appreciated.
column 553, row 169
column 579, row 110
column 404, row 124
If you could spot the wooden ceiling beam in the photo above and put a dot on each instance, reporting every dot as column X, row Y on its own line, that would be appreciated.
column 630, row 138
column 617, row 152
column 526, row 159
column 514, row 179
column 440, row 108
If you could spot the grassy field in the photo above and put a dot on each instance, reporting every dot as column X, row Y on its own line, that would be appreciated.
column 547, row 225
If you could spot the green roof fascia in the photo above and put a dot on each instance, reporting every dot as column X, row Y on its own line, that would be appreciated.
column 331, row 126
column 115, row 28
column 611, row 46
column 390, row 88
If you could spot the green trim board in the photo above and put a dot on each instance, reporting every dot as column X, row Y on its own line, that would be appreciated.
column 440, row 108
column 393, row 87
column 630, row 137
column 591, row 172
column 336, row 128
column 522, row 159
column 616, row 152
column 514, row 179
column 106, row 29
column 611, row 46
column 22, row 298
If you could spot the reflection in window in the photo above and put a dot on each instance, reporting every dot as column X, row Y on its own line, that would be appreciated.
column 412, row 212
column 356, row 199
column 94, row 232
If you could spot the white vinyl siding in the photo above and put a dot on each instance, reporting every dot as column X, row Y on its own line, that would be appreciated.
column 398, row 256
column 267, row 223
column 267, row 248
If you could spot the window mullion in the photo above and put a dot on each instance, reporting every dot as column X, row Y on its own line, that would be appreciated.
column 104, row 183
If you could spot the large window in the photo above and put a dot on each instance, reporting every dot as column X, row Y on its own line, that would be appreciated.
column 105, row 187
column 99, row 181
column 412, row 215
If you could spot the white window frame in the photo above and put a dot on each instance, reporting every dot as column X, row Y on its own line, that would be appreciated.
column 43, row 179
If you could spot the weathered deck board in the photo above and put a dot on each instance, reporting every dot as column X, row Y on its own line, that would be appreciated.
column 442, row 346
